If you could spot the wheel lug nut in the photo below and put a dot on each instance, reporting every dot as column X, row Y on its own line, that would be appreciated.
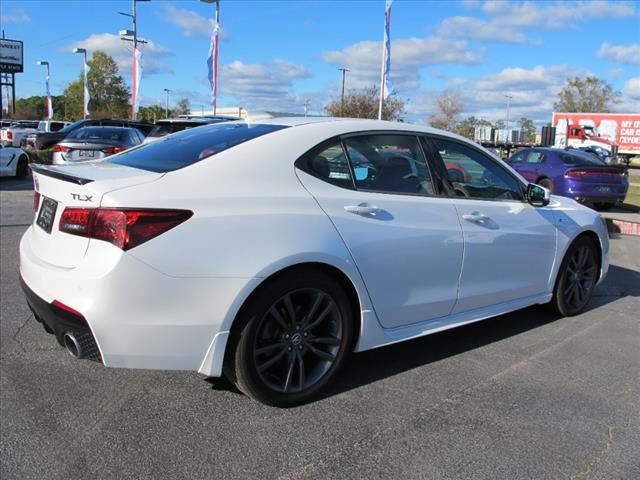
column 300, row 347
column 306, row 334
column 286, row 336
column 289, row 349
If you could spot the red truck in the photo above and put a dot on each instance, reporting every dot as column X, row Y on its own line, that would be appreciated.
column 618, row 133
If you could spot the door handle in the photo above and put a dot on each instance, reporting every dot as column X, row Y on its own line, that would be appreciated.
column 475, row 217
column 364, row 209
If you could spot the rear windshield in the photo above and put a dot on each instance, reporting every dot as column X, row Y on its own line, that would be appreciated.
column 162, row 129
column 190, row 146
column 579, row 158
column 93, row 134
column 72, row 126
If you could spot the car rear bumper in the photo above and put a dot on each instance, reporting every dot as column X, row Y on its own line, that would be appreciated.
column 138, row 316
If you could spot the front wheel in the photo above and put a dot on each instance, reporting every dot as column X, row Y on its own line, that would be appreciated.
column 576, row 278
column 291, row 339
column 546, row 183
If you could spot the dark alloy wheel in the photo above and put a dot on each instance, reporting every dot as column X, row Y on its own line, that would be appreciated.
column 292, row 339
column 22, row 168
column 546, row 183
column 577, row 278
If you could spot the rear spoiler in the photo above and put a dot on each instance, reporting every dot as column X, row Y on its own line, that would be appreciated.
column 43, row 170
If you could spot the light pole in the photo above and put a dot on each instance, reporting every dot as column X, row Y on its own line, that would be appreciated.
column 213, row 72
column 49, row 104
column 136, row 54
column 167, row 105
column 85, row 110
column 508, row 97
column 344, row 71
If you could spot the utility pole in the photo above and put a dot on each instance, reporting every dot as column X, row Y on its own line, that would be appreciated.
column 306, row 104
column 133, row 33
column 508, row 97
column 167, row 105
column 344, row 71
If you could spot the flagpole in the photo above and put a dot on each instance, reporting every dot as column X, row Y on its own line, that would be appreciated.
column 386, row 61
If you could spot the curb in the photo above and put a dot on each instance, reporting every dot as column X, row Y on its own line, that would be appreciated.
column 624, row 227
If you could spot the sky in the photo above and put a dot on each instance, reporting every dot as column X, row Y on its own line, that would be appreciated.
column 277, row 55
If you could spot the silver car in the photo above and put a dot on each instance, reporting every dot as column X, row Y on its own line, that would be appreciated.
column 95, row 143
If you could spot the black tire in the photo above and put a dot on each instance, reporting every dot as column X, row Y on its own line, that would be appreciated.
column 576, row 278
column 603, row 206
column 268, row 347
column 546, row 183
column 22, row 168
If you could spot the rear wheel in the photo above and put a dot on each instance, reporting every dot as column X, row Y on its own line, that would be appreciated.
column 546, row 183
column 576, row 278
column 22, row 168
column 603, row 206
column 291, row 340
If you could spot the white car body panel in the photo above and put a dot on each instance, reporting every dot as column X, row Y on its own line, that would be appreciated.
column 9, row 157
column 171, row 302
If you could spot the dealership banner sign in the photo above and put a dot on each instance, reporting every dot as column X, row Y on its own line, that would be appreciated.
column 11, row 56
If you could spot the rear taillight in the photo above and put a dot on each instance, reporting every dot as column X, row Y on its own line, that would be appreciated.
column 124, row 228
column 591, row 173
column 36, row 201
column 114, row 150
column 9, row 135
column 60, row 148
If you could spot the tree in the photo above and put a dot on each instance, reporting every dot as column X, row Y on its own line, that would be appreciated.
column 469, row 124
column 588, row 94
column 527, row 130
column 364, row 104
column 182, row 108
column 152, row 113
column 108, row 90
column 35, row 107
column 448, row 106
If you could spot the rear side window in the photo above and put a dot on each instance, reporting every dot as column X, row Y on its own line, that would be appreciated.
column 190, row 146
column 580, row 158
column 331, row 166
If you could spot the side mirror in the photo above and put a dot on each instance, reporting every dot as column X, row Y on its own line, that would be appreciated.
column 538, row 196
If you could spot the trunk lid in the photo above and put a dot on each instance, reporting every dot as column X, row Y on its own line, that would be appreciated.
column 597, row 174
column 82, row 186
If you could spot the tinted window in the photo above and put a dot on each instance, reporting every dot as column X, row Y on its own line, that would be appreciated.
column 99, row 133
column 579, row 158
column 475, row 175
column 55, row 126
column 190, row 146
column 389, row 163
column 518, row 157
column 75, row 125
column 331, row 165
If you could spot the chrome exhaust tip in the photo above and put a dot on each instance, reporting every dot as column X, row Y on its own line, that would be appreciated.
column 72, row 345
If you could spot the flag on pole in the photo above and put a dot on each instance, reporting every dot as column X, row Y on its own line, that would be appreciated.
column 212, row 63
column 86, row 89
column 49, row 104
column 137, row 74
column 385, row 83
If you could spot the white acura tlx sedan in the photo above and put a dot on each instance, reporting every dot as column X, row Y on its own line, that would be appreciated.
column 270, row 251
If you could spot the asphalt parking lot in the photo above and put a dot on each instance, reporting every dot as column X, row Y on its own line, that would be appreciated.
column 525, row 395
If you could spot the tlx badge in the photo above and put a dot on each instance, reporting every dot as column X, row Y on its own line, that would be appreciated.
column 82, row 198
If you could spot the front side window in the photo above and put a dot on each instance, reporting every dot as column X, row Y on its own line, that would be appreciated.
column 389, row 163
column 475, row 175
column 535, row 157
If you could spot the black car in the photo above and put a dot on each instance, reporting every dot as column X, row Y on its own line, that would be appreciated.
column 49, row 139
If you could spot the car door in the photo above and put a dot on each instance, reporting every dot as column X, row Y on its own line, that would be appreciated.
column 7, row 159
column 405, row 240
column 509, row 245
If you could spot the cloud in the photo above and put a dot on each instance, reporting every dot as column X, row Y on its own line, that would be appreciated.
column 17, row 15
column 556, row 15
column 626, row 54
column 191, row 23
column 533, row 92
column 477, row 29
column 632, row 88
column 263, row 85
column 153, row 54
column 408, row 55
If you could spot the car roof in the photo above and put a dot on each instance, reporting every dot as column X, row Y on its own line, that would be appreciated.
column 110, row 127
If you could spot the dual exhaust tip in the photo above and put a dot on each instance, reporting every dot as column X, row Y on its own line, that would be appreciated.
column 72, row 345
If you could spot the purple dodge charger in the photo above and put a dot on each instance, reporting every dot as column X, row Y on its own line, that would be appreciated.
column 572, row 173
